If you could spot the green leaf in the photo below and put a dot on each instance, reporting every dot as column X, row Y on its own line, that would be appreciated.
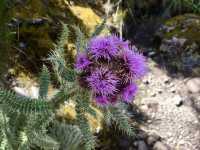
column 44, row 82
column 23, row 105
column 80, row 40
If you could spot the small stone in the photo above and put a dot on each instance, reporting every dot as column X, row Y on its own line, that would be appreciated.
column 142, row 145
column 160, row 91
column 167, row 81
column 152, row 139
column 146, row 82
column 144, row 108
column 173, row 90
column 149, row 121
column 178, row 100
column 153, row 94
column 193, row 85
column 160, row 146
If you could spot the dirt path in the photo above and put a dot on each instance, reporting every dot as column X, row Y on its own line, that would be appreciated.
column 173, row 108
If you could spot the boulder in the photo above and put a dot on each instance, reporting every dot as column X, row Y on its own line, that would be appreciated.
column 180, row 44
column 37, row 25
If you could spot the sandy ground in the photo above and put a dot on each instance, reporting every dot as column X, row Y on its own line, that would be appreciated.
column 173, row 108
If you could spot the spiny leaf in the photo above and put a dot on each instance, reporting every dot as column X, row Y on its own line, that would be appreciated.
column 23, row 105
column 44, row 82
column 80, row 39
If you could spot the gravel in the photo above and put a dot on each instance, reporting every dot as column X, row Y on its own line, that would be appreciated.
column 178, row 124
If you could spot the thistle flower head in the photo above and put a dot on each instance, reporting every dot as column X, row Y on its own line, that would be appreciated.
column 109, row 68
column 102, row 81
column 102, row 47
column 129, row 92
column 82, row 62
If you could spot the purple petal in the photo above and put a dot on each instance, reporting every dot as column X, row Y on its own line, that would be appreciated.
column 82, row 62
column 102, row 81
column 129, row 93
column 136, row 63
column 102, row 47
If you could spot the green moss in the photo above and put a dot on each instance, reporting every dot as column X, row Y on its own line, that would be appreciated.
column 185, row 26
column 30, row 9
column 183, row 58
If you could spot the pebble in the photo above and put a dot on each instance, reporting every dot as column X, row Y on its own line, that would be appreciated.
column 193, row 85
column 160, row 146
column 160, row 91
column 153, row 94
column 142, row 145
column 173, row 90
column 152, row 139
column 167, row 81
column 177, row 100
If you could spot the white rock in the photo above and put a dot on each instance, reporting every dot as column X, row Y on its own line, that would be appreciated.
column 20, row 91
column 34, row 92
column 193, row 85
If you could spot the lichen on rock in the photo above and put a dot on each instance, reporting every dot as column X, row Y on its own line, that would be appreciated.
column 180, row 44
column 37, row 25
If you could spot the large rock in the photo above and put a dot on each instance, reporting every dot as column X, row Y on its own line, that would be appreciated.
column 180, row 44
column 37, row 25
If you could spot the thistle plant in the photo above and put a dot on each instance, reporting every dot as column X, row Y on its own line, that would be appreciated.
column 102, row 78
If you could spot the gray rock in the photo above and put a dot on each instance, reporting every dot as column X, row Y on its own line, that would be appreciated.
column 193, row 85
column 142, row 145
column 152, row 139
column 160, row 146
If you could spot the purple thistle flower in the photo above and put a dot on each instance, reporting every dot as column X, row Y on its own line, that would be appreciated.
column 135, row 62
column 120, row 43
column 129, row 92
column 82, row 61
column 103, row 82
column 101, row 100
column 102, row 47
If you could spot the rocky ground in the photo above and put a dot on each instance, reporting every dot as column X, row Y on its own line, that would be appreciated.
column 172, row 105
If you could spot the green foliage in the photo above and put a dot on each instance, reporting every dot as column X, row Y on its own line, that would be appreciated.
column 69, row 136
column 80, row 40
column 83, row 107
column 193, row 5
column 120, row 118
column 27, row 123
column 44, row 82
column 20, row 104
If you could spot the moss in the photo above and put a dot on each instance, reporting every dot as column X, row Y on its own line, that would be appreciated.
column 185, row 26
column 30, row 9
column 182, row 57
column 39, row 39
